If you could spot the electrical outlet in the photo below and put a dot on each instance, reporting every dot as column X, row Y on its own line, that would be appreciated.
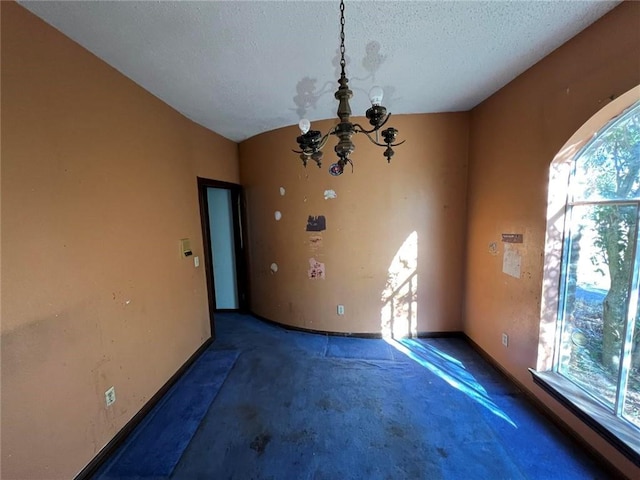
column 340, row 309
column 110, row 396
column 505, row 339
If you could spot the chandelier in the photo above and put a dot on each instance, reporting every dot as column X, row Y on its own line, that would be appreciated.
column 311, row 142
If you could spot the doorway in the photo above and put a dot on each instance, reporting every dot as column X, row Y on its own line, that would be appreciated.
column 222, row 236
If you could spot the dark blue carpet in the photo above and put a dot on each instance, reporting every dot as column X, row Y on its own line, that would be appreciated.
column 156, row 445
column 348, row 347
column 303, row 406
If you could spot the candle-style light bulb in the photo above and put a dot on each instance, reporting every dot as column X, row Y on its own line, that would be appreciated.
column 375, row 95
column 304, row 125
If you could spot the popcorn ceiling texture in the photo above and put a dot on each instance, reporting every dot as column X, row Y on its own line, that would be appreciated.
column 244, row 68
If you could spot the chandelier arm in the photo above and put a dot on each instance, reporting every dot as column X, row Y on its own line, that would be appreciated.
column 363, row 130
column 357, row 128
column 325, row 138
column 379, row 144
column 386, row 119
column 321, row 143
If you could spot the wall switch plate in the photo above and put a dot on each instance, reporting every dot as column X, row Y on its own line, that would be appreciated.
column 505, row 339
column 340, row 309
column 110, row 396
column 185, row 248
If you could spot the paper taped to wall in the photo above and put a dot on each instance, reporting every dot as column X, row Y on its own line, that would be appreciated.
column 511, row 263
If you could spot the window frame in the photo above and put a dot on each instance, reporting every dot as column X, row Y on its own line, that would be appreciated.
column 631, row 307
column 618, row 431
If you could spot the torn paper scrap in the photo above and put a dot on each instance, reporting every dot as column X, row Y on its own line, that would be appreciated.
column 316, row 270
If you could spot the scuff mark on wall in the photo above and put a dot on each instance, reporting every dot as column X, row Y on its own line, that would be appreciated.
column 493, row 248
column 315, row 242
column 328, row 194
column 316, row 223
column 316, row 270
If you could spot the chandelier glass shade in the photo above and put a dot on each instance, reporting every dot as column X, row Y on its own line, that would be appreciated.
column 311, row 141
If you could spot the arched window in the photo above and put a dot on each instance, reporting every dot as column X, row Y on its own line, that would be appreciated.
column 589, row 352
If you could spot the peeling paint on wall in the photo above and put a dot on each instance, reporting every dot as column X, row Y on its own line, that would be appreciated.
column 316, row 224
column 328, row 194
column 282, row 191
column 511, row 262
column 316, row 270
column 315, row 242
column 278, row 215
column 274, row 267
column 493, row 248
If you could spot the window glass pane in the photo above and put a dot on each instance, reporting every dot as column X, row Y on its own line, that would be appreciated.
column 631, row 410
column 608, row 169
column 599, row 265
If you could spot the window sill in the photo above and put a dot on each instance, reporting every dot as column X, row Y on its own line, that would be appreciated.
column 616, row 431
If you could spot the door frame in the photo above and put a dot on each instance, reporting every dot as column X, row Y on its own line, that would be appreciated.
column 237, row 206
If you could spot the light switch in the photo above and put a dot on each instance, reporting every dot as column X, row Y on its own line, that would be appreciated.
column 196, row 262
column 185, row 247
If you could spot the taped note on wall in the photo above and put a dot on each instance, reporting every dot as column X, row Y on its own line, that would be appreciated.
column 511, row 262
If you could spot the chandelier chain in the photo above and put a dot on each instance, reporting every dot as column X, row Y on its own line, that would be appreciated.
column 342, row 49
column 311, row 142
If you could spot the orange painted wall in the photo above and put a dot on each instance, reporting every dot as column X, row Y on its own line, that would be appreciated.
column 376, row 211
column 515, row 135
column 98, row 186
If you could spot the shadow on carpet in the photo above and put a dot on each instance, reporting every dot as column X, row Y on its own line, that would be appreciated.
column 154, row 448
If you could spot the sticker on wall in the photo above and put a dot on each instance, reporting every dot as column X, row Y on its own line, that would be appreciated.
column 329, row 194
column 278, row 215
column 316, row 224
column 493, row 248
column 511, row 263
column 274, row 267
column 315, row 242
column 512, row 237
column 316, row 270
column 282, row 191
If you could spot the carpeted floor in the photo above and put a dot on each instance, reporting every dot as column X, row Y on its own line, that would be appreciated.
column 303, row 406
column 156, row 445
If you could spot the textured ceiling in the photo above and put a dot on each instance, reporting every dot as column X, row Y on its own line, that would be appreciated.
column 245, row 67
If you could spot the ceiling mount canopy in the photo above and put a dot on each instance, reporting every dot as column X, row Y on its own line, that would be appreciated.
column 311, row 142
